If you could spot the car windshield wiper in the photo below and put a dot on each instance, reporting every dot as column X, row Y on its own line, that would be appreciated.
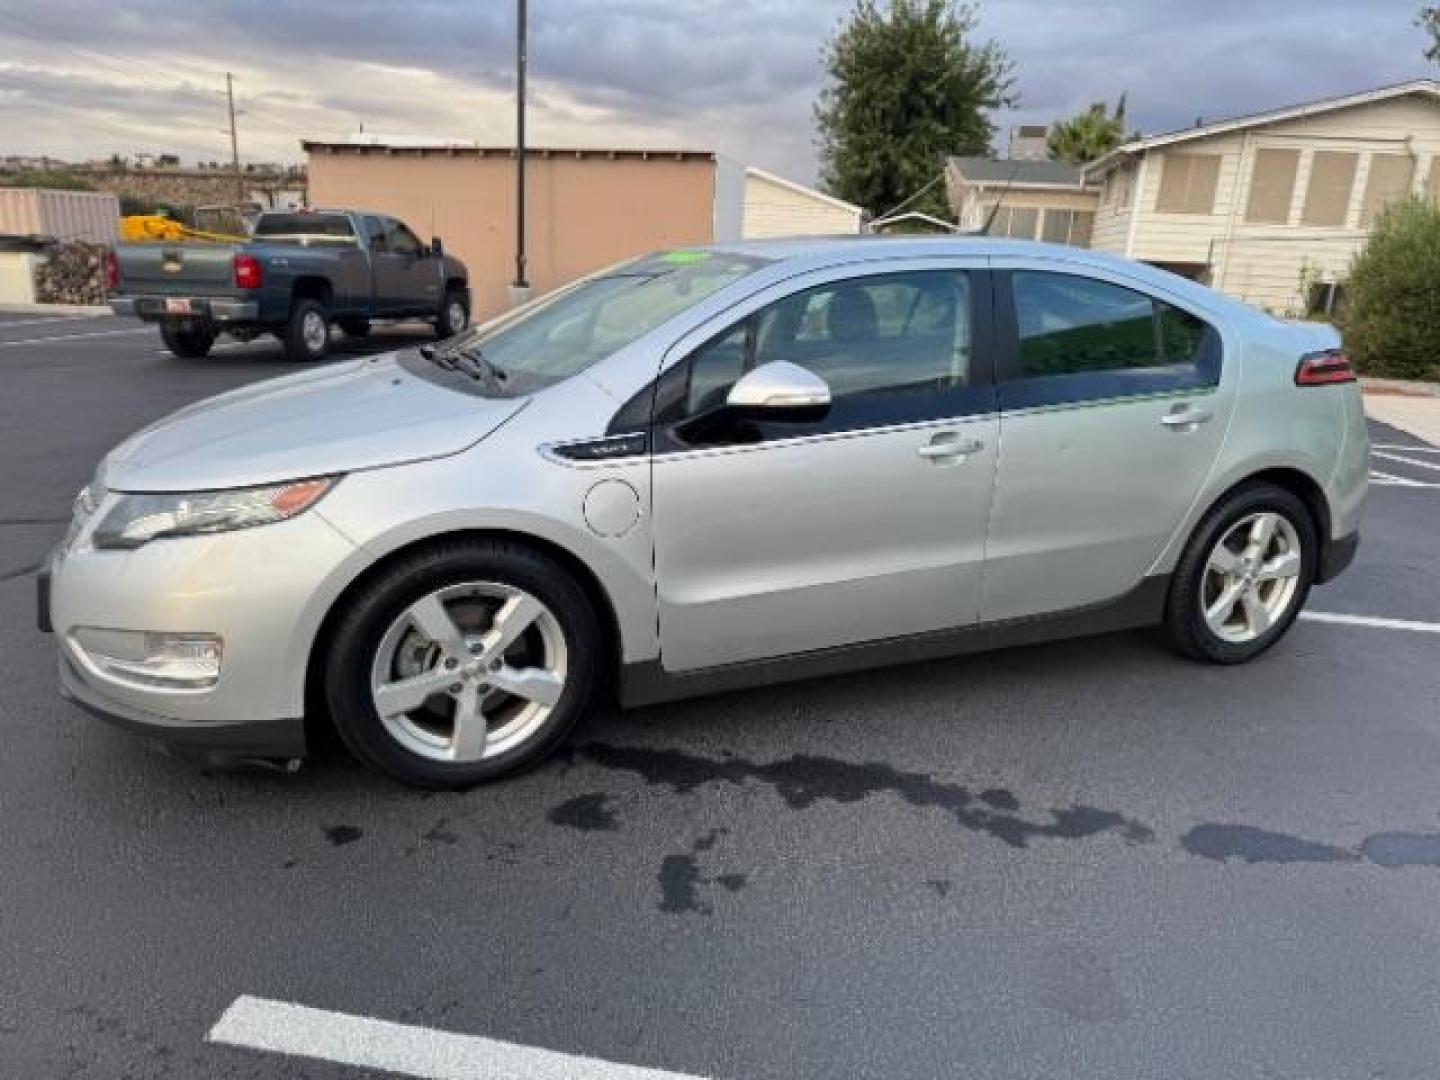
column 468, row 361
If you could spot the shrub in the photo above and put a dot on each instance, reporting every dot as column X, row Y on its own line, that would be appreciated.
column 1391, row 318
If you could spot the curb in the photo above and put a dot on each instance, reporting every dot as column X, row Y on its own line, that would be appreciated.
column 54, row 309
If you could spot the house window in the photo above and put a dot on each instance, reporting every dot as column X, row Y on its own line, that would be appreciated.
column 1187, row 184
column 1272, row 185
column 1390, row 178
column 1067, row 227
column 1332, row 177
column 1016, row 222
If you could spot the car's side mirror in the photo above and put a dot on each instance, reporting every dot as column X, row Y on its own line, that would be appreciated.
column 779, row 390
column 436, row 247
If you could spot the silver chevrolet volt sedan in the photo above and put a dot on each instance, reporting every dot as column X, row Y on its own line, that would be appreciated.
column 704, row 469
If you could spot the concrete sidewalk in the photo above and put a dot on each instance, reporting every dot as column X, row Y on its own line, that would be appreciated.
column 1412, row 407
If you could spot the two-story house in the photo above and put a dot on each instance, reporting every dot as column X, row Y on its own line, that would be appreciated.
column 1270, row 206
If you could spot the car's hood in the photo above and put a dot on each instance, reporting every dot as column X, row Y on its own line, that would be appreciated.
column 357, row 415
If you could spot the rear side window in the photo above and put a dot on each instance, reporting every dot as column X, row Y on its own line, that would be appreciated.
column 1093, row 339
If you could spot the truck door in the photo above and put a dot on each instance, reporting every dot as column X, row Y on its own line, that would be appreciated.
column 417, row 272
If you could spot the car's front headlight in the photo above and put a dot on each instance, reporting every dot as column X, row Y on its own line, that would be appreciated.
column 139, row 517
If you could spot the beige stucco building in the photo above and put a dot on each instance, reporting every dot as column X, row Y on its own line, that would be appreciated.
column 1265, row 207
column 585, row 209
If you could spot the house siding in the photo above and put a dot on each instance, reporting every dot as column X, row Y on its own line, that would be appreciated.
column 1112, row 218
column 773, row 209
column 1262, row 264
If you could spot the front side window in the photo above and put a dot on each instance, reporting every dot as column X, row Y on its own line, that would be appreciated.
column 891, row 347
column 1079, row 338
column 402, row 240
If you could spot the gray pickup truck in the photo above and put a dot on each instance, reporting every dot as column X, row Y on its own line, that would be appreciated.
column 300, row 272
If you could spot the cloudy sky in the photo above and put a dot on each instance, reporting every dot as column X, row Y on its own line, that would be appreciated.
column 79, row 79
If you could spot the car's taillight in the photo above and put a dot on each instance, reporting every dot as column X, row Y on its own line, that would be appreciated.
column 1324, row 369
column 112, row 270
column 247, row 272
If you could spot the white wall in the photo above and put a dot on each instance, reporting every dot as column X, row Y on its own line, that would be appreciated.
column 773, row 209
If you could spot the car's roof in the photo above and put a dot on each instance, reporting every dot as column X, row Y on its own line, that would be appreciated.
column 815, row 252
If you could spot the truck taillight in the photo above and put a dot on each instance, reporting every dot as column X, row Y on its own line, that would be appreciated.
column 1324, row 369
column 112, row 270
column 247, row 272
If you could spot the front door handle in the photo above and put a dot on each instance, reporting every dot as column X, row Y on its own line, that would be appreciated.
column 949, row 446
column 1186, row 417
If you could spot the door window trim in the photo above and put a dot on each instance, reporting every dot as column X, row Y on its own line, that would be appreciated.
column 651, row 409
column 1034, row 393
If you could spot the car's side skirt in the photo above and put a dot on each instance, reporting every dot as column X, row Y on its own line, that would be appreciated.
column 648, row 683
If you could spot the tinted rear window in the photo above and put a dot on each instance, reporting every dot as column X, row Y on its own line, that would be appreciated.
column 336, row 225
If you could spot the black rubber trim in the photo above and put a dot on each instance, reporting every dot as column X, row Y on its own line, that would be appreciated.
column 42, row 603
column 648, row 683
column 1336, row 557
column 283, row 738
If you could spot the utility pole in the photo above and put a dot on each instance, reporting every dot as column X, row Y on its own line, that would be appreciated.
column 234, row 142
column 520, row 287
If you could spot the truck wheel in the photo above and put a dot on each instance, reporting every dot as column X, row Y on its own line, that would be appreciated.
column 307, row 334
column 187, row 342
column 354, row 326
column 454, row 315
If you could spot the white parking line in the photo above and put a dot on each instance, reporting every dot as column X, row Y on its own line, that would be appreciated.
column 1409, row 449
column 1371, row 621
column 50, row 319
column 1406, row 460
column 281, row 1028
column 1382, row 479
column 72, row 337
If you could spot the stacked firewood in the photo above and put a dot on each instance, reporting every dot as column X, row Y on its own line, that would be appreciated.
column 73, row 273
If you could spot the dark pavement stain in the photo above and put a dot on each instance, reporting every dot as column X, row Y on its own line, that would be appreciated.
column 339, row 835
column 941, row 886
column 439, row 833
column 587, row 813
column 24, row 571
column 1252, row 845
column 805, row 779
column 680, row 878
column 1393, row 850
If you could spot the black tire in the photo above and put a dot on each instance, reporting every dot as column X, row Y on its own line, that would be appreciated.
column 1185, row 624
column 187, row 342
column 454, row 315
column 355, row 326
column 362, row 626
column 297, row 348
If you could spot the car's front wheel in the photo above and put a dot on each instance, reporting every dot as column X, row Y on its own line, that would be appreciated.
column 1243, row 577
column 463, row 663
column 454, row 315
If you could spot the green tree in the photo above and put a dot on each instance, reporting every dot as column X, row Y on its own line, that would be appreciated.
column 1391, row 313
column 906, row 87
column 1088, row 136
column 1429, row 21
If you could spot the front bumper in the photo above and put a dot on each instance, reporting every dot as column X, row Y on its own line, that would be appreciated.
column 215, row 309
column 258, row 589
column 282, row 738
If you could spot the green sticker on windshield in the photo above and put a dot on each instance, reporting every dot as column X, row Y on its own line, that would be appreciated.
column 683, row 257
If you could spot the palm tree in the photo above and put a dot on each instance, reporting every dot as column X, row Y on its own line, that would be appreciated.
column 1089, row 136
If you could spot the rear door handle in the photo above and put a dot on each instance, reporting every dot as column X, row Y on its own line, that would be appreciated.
column 949, row 446
column 1186, row 417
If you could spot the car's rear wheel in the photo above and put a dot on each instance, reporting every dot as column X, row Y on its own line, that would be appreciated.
column 454, row 315
column 462, row 664
column 307, row 334
column 1244, row 576
column 187, row 341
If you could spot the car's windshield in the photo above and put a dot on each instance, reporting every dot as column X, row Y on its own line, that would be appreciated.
column 565, row 333
column 305, row 228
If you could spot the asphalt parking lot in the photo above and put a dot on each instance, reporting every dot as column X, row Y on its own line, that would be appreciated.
column 1076, row 860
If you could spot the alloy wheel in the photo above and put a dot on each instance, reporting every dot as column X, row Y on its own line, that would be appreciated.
column 469, row 672
column 1251, row 577
column 313, row 331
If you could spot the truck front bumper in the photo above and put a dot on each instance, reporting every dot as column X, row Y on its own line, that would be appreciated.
column 216, row 309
